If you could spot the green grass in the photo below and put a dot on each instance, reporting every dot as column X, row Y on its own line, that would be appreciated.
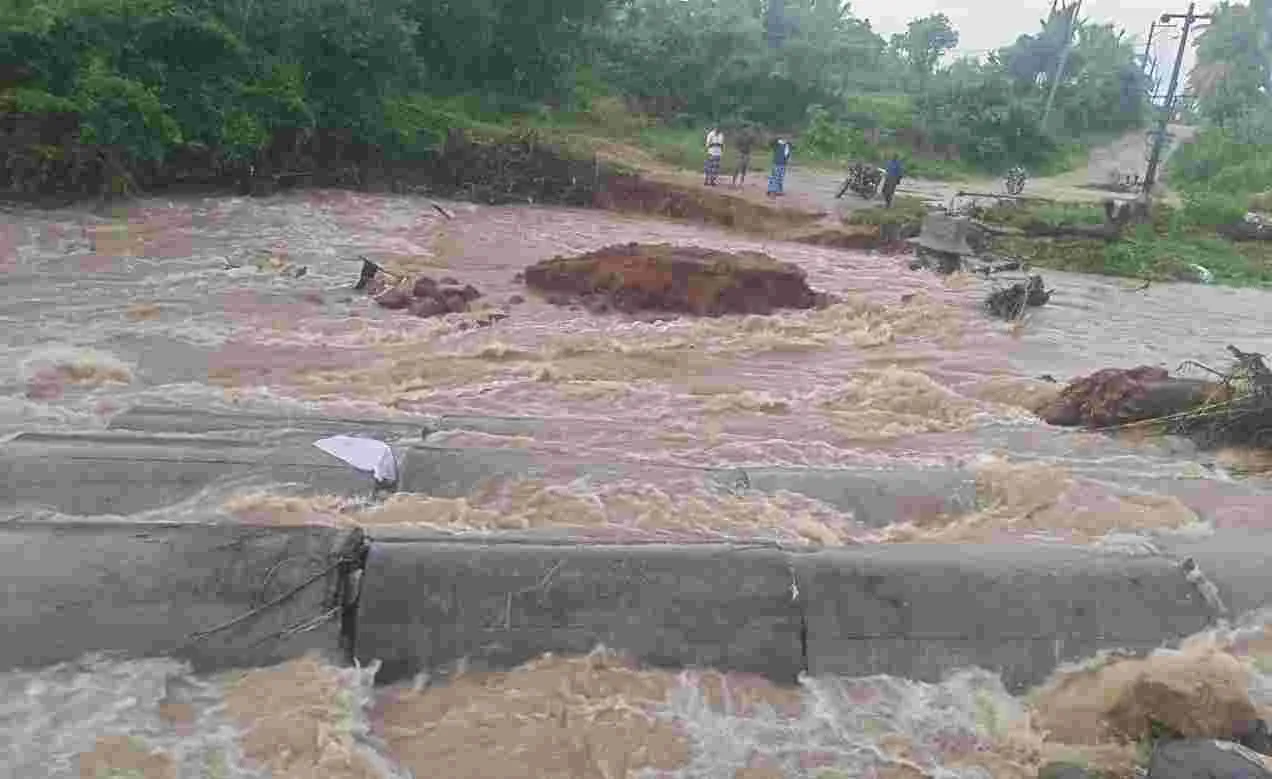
column 1023, row 214
column 1146, row 254
column 905, row 210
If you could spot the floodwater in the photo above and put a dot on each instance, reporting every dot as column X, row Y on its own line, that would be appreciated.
column 199, row 302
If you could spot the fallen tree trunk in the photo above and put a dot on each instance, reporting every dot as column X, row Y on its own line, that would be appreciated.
column 1114, row 397
column 1246, row 231
column 1104, row 232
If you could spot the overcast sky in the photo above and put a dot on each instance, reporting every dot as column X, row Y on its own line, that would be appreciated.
column 989, row 24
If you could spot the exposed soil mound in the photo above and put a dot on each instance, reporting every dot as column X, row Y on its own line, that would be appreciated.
column 887, row 239
column 631, row 193
column 516, row 171
column 662, row 277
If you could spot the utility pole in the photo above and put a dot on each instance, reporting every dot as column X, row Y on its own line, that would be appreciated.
column 1153, row 28
column 1150, row 176
column 1070, row 23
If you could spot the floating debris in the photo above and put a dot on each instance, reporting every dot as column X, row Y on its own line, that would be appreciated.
column 1010, row 302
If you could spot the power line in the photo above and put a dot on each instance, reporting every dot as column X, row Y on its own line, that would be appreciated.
column 1150, row 175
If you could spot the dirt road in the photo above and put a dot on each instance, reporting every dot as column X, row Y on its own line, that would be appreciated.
column 815, row 188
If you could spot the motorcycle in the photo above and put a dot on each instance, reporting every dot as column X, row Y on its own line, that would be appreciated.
column 863, row 180
column 1015, row 181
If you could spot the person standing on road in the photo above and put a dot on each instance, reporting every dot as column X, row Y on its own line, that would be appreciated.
column 781, row 158
column 892, row 177
column 715, row 151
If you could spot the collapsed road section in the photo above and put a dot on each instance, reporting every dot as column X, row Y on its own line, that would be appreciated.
column 225, row 593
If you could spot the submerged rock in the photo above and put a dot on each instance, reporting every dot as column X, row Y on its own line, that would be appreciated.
column 1205, row 759
column 424, row 296
column 662, row 277
column 1187, row 696
column 1010, row 303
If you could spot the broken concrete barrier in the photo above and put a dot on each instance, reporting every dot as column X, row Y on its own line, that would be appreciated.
column 875, row 496
column 429, row 606
column 114, row 473
column 920, row 611
column 219, row 596
column 180, row 419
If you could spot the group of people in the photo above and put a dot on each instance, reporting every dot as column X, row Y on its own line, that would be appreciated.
column 782, row 150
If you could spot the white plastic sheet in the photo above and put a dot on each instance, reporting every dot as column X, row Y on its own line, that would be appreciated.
column 365, row 454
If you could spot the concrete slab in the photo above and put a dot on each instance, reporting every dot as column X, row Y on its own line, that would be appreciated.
column 877, row 497
column 182, row 419
column 426, row 606
column 108, row 473
column 874, row 496
column 453, row 472
column 72, row 588
column 920, row 611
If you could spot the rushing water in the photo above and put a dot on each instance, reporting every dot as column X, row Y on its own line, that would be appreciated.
column 166, row 303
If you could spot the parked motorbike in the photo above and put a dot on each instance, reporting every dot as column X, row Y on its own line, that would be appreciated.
column 1015, row 181
column 863, row 180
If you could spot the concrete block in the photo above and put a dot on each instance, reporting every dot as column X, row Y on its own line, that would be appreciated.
column 453, row 473
column 425, row 606
column 874, row 496
column 114, row 473
column 72, row 588
column 921, row 611
column 181, row 419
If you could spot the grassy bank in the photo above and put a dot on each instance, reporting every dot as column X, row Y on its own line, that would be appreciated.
column 1166, row 248
column 607, row 127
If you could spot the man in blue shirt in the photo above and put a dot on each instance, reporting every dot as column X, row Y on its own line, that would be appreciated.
column 892, row 177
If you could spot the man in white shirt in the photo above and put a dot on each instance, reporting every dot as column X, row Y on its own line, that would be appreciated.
column 715, row 151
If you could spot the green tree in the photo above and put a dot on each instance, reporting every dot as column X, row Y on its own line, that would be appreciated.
column 1232, row 70
column 923, row 43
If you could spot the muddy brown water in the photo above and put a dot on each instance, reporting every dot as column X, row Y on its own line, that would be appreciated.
column 193, row 301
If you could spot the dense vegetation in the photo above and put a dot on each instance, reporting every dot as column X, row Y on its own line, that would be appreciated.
column 150, row 77
column 1227, row 168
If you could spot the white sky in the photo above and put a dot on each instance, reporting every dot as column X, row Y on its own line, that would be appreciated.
column 987, row 24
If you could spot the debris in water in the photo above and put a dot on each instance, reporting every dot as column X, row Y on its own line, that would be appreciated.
column 365, row 454
column 1115, row 396
column 943, row 238
column 369, row 271
column 1009, row 303
column 1241, row 415
column 423, row 296
column 662, row 277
